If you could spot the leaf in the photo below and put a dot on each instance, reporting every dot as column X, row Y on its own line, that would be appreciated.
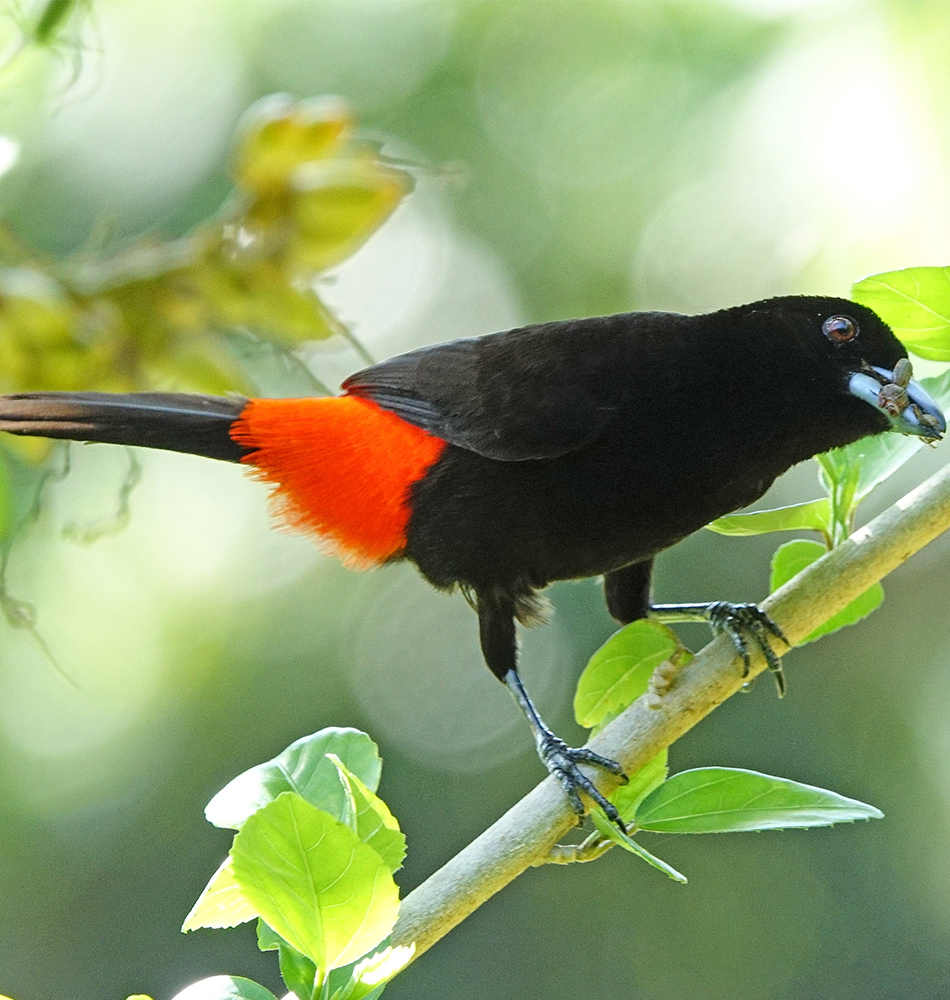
column 627, row 797
column 839, row 472
column 267, row 938
column 373, row 823
column 259, row 296
column 792, row 557
column 815, row 515
column 915, row 303
column 607, row 829
column 353, row 989
column 280, row 134
column 302, row 768
column 225, row 988
column 618, row 673
column 339, row 204
column 296, row 970
column 221, row 903
column 314, row 882
column 729, row 800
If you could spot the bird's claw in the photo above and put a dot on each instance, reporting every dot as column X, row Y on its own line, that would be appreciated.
column 562, row 761
column 744, row 621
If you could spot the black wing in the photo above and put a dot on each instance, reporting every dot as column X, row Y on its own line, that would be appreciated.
column 535, row 392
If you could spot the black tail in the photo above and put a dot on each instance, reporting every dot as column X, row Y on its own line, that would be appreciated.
column 196, row 425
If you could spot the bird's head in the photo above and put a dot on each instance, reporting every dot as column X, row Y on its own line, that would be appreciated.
column 853, row 348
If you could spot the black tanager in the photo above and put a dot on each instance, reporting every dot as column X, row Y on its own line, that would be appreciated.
column 499, row 464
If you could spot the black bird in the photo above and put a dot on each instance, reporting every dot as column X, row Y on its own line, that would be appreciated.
column 499, row 464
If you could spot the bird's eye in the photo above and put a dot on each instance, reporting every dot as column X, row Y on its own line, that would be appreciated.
column 840, row 329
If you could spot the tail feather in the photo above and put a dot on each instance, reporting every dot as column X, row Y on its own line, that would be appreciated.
column 196, row 425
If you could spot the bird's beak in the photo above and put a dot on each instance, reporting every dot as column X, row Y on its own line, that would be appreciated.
column 911, row 409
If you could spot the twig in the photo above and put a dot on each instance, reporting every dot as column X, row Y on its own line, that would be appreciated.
column 526, row 833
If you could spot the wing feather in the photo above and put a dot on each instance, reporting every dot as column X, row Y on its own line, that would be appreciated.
column 531, row 393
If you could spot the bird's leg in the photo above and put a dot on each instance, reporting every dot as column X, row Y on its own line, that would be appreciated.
column 496, row 618
column 627, row 591
column 562, row 760
column 628, row 598
column 741, row 622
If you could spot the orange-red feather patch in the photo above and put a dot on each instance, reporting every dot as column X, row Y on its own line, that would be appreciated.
column 340, row 466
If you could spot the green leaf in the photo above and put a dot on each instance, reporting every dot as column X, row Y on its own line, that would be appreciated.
column 225, row 988
column 915, row 303
column 792, row 557
column 839, row 472
column 353, row 989
column 729, row 800
column 815, row 515
column 258, row 297
column 267, row 938
column 627, row 797
column 297, row 971
column 618, row 673
column 221, row 903
column 314, row 881
column 339, row 204
column 372, row 821
column 279, row 134
column 302, row 768
column 607, row 829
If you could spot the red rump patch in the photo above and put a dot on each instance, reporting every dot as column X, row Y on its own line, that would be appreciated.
column 340, row 467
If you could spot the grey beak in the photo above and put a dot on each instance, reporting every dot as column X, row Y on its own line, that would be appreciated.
column 910, row 408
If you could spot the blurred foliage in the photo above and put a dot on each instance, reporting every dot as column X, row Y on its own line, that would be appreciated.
column 307, row 194
column 47, row 24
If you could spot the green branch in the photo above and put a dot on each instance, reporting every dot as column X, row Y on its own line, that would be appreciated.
column 525, row 835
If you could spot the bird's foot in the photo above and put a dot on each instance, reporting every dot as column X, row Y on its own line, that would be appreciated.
column 745, row 622
column 562, row 761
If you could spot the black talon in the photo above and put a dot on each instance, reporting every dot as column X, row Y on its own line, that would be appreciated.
column 584, row 756
column 562, row 760
column 740, row 622
column 734, row 620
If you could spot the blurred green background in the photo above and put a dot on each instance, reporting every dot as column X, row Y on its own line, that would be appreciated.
column 575, row 158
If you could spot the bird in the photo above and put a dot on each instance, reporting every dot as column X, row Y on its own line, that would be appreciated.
column 561, row 450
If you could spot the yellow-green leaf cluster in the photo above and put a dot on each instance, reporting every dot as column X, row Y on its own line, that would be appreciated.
column 313, row 859
column 307, row 194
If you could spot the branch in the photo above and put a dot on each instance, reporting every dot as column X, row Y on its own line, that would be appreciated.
column 525, row 834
